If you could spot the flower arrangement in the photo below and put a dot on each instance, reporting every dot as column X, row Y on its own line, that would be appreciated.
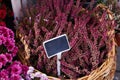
column 87, row 31
column 10, row 69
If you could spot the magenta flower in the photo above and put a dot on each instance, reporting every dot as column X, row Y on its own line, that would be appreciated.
column 4, row 75
column 15, row 77
column 3, row 39
column 1, row 65
column 16, row 69
column 0, row 42
column 3, row 30
column 6, row 34
column 3, row 59
column 24, row 69
column 14, row 51
column 11, row 34
column 17, row 63
column 11, row 47
column 9, row 57
column 8, row 41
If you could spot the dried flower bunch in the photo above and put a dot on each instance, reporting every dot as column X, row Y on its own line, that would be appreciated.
column 87, row 31
column 9, row 68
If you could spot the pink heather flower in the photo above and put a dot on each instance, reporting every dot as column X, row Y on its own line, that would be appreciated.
column 15, row 77
column 4, row 75
column 3, row 59
column 1, row 65
column 16, row 69
column 9, row 57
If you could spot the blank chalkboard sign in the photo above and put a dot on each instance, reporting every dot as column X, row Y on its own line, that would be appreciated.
column 56, row 45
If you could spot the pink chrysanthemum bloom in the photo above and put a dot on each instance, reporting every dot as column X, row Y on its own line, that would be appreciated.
column 9, row 57
column 3, row 39
column 16, row 69
column 3, row 59
column 4, row 75
column 14, row 51
column 15, row 77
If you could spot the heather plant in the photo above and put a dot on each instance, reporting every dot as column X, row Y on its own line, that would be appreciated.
column 10, row 69
column 87, row 31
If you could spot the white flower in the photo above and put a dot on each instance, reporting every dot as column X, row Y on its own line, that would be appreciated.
column 32, row 75
column 31, row 69
column 44, row 77
column 38, row 74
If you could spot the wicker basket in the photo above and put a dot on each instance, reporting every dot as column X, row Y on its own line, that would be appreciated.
column 104, row 72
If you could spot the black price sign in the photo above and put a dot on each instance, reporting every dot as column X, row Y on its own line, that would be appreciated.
column 56, row 45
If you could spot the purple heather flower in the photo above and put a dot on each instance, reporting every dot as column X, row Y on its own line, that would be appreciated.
column 9, row 57
column 15, row 77
column 16, row 69
column 3, row 59
column 4, row 75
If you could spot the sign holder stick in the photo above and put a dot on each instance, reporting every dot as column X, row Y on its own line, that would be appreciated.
column 58, row 63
